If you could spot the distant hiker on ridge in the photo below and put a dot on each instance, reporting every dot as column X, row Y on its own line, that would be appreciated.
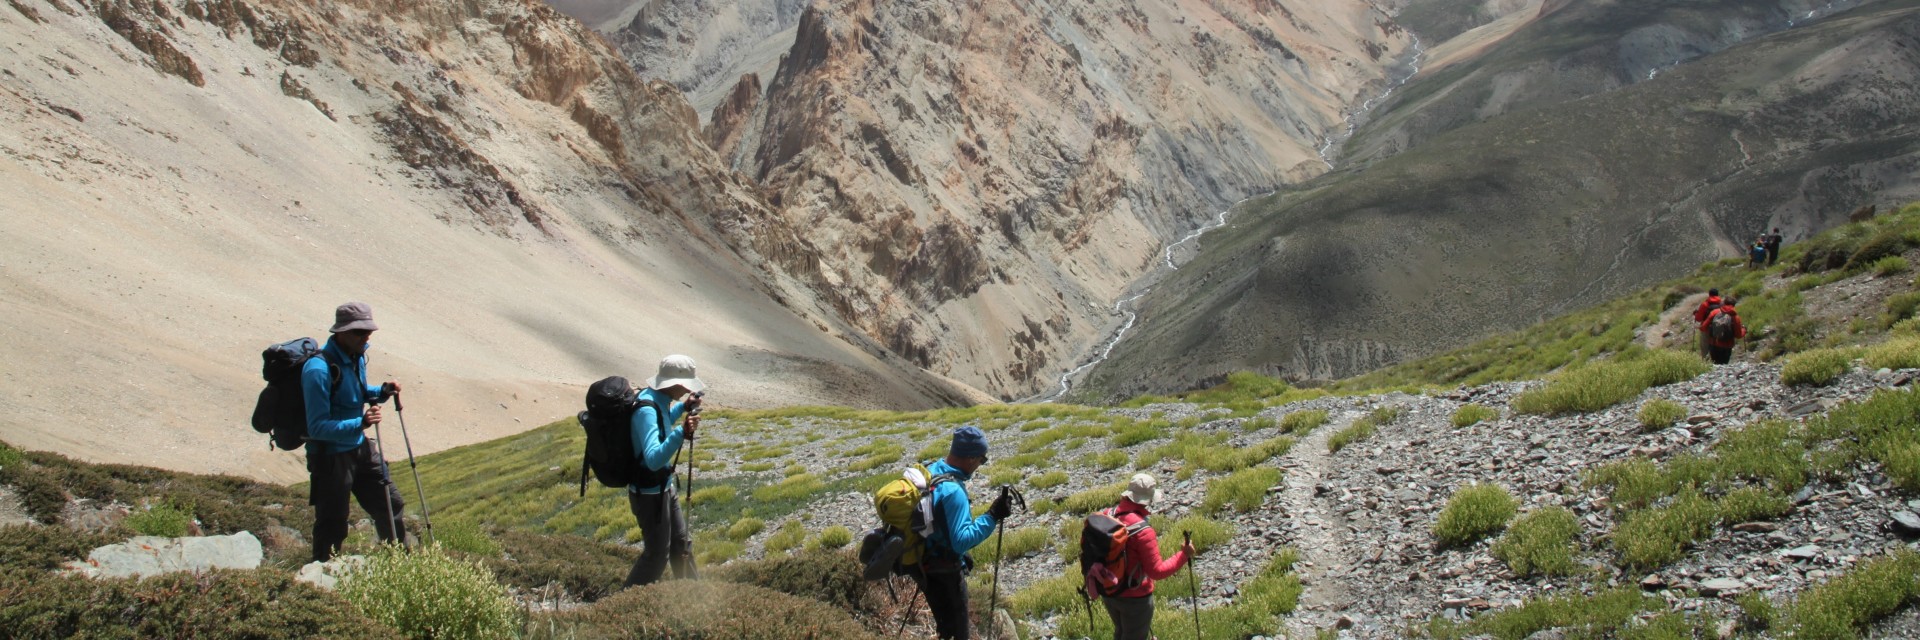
column 340, row 460
column 943, row 567
column 663, row 528
column 1700, row 317
column 1128, row 594
column 1723, row 328
column 1772, row 242
column 1757, row 254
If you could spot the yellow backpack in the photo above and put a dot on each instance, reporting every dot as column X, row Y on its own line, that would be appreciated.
column 905, row 507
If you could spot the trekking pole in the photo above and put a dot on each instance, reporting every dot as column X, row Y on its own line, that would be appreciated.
column 907, row 613
column 386, row 493
column 1193, row 581
column 993, row 601
column 426, row 515
column 693, row 413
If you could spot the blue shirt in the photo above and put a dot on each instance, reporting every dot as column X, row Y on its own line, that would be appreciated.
column 334, row 415
column 963, row 532
column 647, row 445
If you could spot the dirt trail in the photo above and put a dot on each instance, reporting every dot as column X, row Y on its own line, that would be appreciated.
column 1322, row 537
column 1678, row 321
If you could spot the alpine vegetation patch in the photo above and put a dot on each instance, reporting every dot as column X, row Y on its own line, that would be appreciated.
column 1471, row 414
column 1816, row 368
column 1303, row 422
column 1473, row 512
column 1540, row 542
column 1650, row 538
column 1868, row 592
column 425, row 593
column 1363, row 428
column 1598, row 385
column 1244, row 490
column 1660, row 413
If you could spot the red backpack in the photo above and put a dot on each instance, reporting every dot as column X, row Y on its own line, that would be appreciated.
column 1103, row 554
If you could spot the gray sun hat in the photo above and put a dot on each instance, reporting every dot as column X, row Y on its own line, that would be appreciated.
column 353, row 316
column 1142, row 490
column 676, row 369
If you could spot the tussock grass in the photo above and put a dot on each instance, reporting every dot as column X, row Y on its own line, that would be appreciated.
column 1650, row 538
column 1816, row 368
column 1258, row 423
column 789, row 537
column 1049, row 479
column 715, row 494
column 1540, row 542
column 1890, row 265
column 1129, row 433
column 799, row 486
column 163, row 519
column 1473, row 512
column 1110, row 460
column 1091, row 500
column 1014, row 544
column 1869, row 591
column 1885, row 428
column 466, row 536
column 1363, row 428
column 1585, row 616
column 1471, row 414
column 1244, row 490
column 744, row 528
column 833, row 537
column 1595, row 386
column 1660, row 413
column 1898, row 353
column 1303, row 422
column 1771, row 451
column 1750, row 504
column 1208, row 533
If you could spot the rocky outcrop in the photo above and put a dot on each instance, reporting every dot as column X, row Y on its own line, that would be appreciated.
column 150, row 555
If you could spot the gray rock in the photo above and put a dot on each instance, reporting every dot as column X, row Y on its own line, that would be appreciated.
column 1756, row 527
column 1719, row 586
column 1806, row 552
column 1906, row 523
column 150, row 555
column 327, row 575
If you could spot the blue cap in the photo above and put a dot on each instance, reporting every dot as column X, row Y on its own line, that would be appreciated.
column 968, row 442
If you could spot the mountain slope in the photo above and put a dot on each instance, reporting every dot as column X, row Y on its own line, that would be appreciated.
column 189, row 182
column 1498, row 224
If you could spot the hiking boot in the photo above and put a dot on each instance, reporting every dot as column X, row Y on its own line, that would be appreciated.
column 888, row 553
column 870, row 543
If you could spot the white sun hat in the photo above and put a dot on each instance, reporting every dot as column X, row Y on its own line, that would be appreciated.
column 676, row 369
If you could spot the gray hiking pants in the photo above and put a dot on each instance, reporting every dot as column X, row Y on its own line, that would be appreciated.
column 663, row 531
column 1132, row 617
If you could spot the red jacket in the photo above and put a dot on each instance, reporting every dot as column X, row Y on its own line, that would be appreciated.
column 1706, row 306
column 1739, row 328
column 1143, row 551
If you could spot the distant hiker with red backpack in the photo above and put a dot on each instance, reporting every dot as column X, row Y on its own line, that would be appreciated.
column 1120, row 557
column 1700, row 317
column 1723, row 328
column 669, row 396
column 341, row 461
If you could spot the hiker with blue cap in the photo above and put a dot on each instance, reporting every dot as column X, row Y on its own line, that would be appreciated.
column 941, row 572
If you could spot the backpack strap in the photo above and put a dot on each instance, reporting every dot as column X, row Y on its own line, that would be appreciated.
column 933, row 502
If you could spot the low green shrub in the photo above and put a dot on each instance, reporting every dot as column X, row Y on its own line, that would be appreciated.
column 745, row 528
column 1660, row 413
column 1303, row 422
column 1890, row 265
column 1869, row 591
column 163, row 519
column 1258, row 423
column 1473, row 512
column 465, row 536
column 1110, row 460
column 1470, row 414
column 1650, row 538
column 1049, row 479
column 425, row 593
column 727, row 612
column 1245, row 490
column 1598, row 385
column 221, row 603
column 1093, row 499
column 715, row 494
column 829, row 576
column 1540, row 542
column 1362, row 428
column 45, row 548
column 1136, row 433
column 833, row 537
column 1818, row 367
column 587, row 569
column 788, row 538
column 795, row 487
column 1014, row 544
column 1898, row 353
column 1751, row 504
column 1771, row 451
column 1600, row 615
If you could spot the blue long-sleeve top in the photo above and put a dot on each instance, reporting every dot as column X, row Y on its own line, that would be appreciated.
column 334, row 414
column 963, row 531
column 647, row 443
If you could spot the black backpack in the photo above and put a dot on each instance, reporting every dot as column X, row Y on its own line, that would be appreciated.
column 281, row 409
column 607, row 420
column 1720, row 326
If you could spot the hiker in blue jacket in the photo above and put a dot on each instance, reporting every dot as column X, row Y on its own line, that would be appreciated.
column 341, row 462
column 663, row 528
column 942, row 571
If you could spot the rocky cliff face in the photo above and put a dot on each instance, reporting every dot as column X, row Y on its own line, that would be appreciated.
column 700, row 46
column 985, row 178
column 523, row 211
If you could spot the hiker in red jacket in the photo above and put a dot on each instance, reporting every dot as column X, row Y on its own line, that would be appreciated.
column 1722, row 334
column 1132, row 609
column 1700, row 317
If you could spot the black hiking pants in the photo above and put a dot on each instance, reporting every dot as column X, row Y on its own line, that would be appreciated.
column 947, row 598
column 1721, row 355
column 358, row 474
column 663, row 530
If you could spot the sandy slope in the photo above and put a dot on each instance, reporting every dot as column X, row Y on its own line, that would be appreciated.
column 151, row 247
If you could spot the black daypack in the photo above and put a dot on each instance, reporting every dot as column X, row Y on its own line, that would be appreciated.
column 281, row 409
column 607, row 420
column 1720, row 326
